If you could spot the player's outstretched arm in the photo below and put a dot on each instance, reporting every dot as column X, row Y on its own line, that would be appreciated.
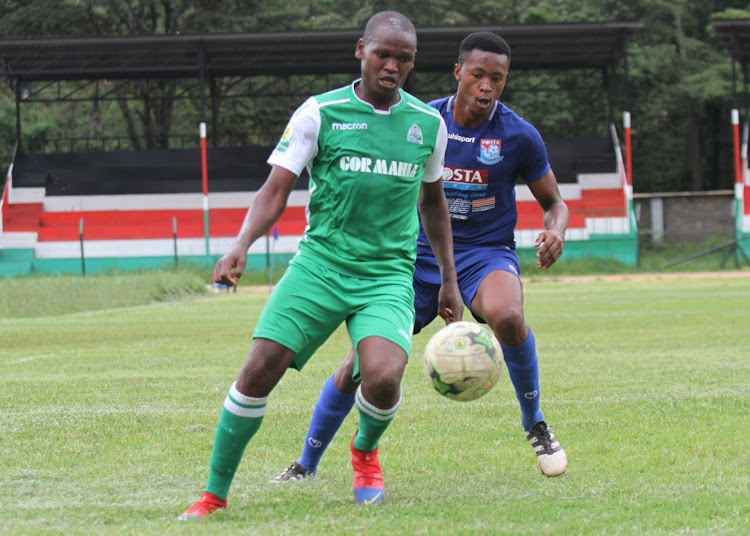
column 550, row 241
column 437, row 225
column 266, row 209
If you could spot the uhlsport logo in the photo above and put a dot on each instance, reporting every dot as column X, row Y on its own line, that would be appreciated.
column 489, row 152
column 459, row 138
column 415, row 134
column 394, row 168
column 286, row 138
column 464, row 179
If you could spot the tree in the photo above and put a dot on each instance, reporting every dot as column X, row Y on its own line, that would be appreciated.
column 679, row 77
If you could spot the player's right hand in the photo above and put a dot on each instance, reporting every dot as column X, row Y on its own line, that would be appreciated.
column 229, row 268
column 450, row 303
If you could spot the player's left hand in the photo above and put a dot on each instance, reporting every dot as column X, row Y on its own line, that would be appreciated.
column 450, row 303
column 550, row 244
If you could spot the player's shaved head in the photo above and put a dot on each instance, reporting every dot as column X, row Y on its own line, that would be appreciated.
column 388, row 19
column 486, row 41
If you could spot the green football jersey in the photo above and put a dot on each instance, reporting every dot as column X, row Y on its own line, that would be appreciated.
column 365, row 167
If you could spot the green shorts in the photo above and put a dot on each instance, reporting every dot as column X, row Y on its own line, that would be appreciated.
column 311, row 301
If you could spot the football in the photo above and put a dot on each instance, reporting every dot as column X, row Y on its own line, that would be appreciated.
column 463, row 360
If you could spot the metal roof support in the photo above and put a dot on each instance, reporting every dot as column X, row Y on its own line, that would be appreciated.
column 608, row 80
column 624, row 52
column 734, row 83
column 18, row 115
column 744, row 90
column 202, row 77
column 214, row 93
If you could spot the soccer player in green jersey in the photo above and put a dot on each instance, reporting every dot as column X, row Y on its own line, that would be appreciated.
column 373, row 153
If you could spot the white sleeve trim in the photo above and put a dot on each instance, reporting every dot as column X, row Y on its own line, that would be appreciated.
column 431, row 112
column 433, row 168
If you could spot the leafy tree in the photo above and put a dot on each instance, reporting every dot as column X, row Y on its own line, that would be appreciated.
column 156, row 98
column 679, row 77
column 43, row 18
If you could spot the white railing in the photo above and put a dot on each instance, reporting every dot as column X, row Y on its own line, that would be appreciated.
column 5, row 197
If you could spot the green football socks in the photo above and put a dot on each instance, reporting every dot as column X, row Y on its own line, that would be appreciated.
column 240, row 419
column 373, row 422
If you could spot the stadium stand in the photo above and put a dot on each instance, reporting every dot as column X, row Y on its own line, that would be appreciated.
column 120, row 209
column 131, row 202
column 571, row 156
column 141, row 172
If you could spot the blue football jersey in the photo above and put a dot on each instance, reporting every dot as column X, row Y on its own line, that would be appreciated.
column 482, row 165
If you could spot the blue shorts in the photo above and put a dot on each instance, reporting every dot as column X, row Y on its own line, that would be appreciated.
column 472, row 266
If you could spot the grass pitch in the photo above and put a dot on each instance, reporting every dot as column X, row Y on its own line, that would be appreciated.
column 107, row 420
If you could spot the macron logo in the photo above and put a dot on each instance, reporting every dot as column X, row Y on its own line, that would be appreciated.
column 349, row 126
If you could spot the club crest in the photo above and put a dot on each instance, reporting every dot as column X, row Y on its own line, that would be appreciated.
column 415, row 134
column 489, row 152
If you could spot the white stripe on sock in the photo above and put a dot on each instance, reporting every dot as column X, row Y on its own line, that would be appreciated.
column 375, row 412
column 235, row 398
column 240, row 411
column 245, row 400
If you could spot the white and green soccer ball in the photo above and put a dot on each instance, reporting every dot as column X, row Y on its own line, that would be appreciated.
column 463, row 361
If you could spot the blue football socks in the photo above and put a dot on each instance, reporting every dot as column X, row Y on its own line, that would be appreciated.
column 523, row 369
column 330, row 411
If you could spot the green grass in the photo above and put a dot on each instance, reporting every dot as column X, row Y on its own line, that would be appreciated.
column 36, row 295
column 652, row 258
column 657, row 257
column 107, row 419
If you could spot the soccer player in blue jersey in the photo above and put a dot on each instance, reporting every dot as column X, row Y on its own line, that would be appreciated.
column 373, row 153
column 489, row 148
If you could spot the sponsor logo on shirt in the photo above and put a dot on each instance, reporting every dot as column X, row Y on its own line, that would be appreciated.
column 286, row 138
column 480, row 205
column 462, row 139
column 489, row 153
column 458, row 205
column 393, row 168
column 464, row 179
column 415, row 134
column 349, row 126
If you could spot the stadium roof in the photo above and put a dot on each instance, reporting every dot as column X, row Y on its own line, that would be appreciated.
column 735, row 35
column 543, row 46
